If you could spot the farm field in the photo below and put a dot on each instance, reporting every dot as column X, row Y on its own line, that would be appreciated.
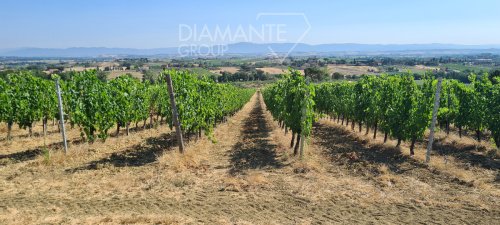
column 117, row 73
column 352, row 70
column 275, row 70
column 230, row 69
column 343, row 69
column 245, row 174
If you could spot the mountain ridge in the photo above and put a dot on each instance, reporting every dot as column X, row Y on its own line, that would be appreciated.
column 250, row 48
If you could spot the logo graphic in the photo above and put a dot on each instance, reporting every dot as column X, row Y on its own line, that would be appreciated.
column 286, row 30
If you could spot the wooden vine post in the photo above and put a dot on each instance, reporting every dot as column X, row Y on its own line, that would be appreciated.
column 61, row 116
column 175, row 115
column 433, row 122
column 304, row 118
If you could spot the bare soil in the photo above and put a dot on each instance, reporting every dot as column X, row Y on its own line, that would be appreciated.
column 244, row 173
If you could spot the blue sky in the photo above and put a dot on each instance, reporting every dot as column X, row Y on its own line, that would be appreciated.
column 153, row 24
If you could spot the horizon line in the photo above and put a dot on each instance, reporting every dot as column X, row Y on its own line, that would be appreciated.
column 256, row 43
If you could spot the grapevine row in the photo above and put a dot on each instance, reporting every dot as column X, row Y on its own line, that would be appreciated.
column 400, row 108
column 290, row 101
column 96, row 106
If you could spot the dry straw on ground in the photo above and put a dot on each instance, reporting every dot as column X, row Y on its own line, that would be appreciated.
column 245, row 173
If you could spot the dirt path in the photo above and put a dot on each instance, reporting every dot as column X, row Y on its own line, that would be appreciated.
column 243, row 174
column 255, row 149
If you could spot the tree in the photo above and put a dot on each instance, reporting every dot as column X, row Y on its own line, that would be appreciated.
column 316, row 73
column 126, row 64
column 149, row 76
column 337, row 76
column 102, row 75
column 494, row 76
column 260, row 75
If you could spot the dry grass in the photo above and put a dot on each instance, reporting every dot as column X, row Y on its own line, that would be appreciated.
column 21, row 141
column 117, row 73
column 275, row 70
column 386, row 177
column 352, row 70
column 419, row 68
column 3, row 128
column 226, row 69
column 79, row 151
column 257, row 178
column 448, row 165
column 249, row 182
column 16, row 217
column 92, row 184
column 270, row 70
column 194, row 158
column 108, row 64
column 312, row 161
column 422, row 67
column 452, row 166
column 57, row 158
column 78, row 68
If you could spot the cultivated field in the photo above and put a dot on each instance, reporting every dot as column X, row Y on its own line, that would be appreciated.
column 245, row 174
column 343, row 69
column 352, row 70
column 226, row 69
column 274, row 70
column 117, row 73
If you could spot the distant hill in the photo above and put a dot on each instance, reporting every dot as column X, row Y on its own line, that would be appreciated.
column 84, row 52
column 261, row 49
column 351, row 47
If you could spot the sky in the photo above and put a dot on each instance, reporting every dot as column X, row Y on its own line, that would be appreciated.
column 156, row 24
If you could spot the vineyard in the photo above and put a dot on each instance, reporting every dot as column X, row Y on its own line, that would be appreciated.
column 96, row 106
column 291, row 152
column 400, row 108
column 395, row 105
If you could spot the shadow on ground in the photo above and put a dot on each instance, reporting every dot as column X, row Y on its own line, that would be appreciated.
column 137, row 155
column 467, row 154
column 254, row 150
column 363, row 159
column 30, row 154
column 346, row 149
column 20, row 156
column 26, row 135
